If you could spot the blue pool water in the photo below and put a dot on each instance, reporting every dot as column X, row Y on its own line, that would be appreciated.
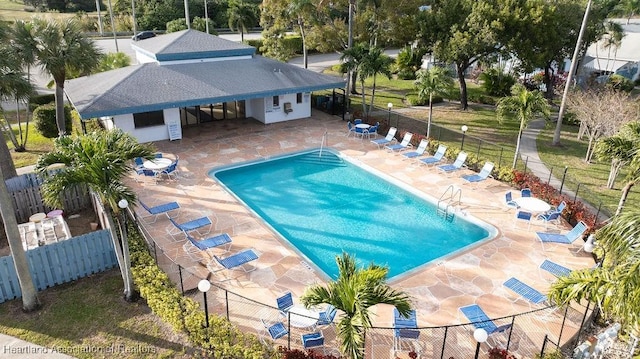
column 325, row 205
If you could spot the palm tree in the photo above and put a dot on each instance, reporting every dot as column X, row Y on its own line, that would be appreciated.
column 30, row 301
column 24, row 48
column 374, row 63
column 61, row 46
column 351, row 61
column 241, row 15
column 13, row 85
column 435, row 81
column 627, row 8
column 524, row 104
column 98, row 160
column 353, row 293
column 615, row 285
column 622, row 149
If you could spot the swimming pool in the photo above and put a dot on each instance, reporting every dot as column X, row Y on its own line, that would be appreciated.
column 323, row 205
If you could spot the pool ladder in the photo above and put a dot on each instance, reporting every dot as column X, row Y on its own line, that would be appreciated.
column 447, row 201
column 323, row 142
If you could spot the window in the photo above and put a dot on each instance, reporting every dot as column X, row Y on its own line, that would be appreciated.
column 276, row 101
column 148, row 119
column 299, row 97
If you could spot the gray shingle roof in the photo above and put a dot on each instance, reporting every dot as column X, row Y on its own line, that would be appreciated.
column 190, row 44
column 152, row 87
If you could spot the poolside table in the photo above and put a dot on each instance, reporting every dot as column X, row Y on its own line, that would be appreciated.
column 302, row 317
column 532, row 204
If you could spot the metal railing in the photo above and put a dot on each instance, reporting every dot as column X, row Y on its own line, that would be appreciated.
column 528, row 333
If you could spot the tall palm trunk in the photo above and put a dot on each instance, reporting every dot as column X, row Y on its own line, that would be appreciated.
column 364, row 102
column 30, row 301
column 373, row 94
column 304, row 43
column 7, row 168
column 60, row 120
column 515, row 157
column 430, row 112
column 123, row 260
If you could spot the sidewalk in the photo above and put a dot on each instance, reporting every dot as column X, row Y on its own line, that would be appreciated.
column 14, row 348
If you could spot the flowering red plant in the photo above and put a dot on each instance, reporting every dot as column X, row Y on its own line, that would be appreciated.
column 499, row 353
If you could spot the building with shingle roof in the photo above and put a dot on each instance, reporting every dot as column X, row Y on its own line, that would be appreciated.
column 189, row 77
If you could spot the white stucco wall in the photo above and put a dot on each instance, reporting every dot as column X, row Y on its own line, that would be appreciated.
column 264, row 111
column 148, row 134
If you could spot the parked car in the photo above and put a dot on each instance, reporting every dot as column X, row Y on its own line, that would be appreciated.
column 143, row 35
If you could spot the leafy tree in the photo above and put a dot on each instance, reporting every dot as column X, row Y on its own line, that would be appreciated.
column 611, row 39
column 61, row 48
column 353, row 293
column 408, row 62
column 242, row 15
column 461, row 32
column 615, row 285
column 435, row 81
column 622, row 149
column 99, row 160
column 374, row 63
column 200, row 24
column 524, row 104
column 176, row 25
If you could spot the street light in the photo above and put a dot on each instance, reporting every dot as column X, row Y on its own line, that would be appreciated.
column 204, row 286
column 389, row 107
column 589, row 245
column 480, row 335
column 464, row 129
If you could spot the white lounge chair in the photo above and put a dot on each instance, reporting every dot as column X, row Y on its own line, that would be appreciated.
column 406, row 143
column 388, row 139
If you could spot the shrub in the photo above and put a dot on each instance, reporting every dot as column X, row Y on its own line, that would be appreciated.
column 414, row 100
column 496, row 82
column 409, row 61
column 570, row 118
column 620, row 83
column 499, row 353
column 220, row 340
column 44, row 118
column 257, row 43
column 299, row 354
column 38, row 100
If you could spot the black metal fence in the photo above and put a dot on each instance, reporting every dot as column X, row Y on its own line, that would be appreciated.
column 537, row 331
column 565, row 179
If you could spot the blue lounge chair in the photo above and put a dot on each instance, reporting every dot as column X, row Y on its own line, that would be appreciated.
column 155, row 211
column 555, row 268
column 437, row 157
column 220, row 240
column 459, row 162
column 485, row 172
column 312, row 340
column 400, row 321
column 406, row 143
column 404, row 328
column 238, row 260
column 525, row 291
column 388, row 139
column 419, row 151
column 480, row 320
column 193, row 225
column 566, row 238
column 275, row 330
column 285, row 302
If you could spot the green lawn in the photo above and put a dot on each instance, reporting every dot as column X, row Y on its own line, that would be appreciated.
column 91, row 314
column 35, row 146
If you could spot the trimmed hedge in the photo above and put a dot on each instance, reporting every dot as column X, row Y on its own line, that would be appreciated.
column 220, row 340
column 44, row 118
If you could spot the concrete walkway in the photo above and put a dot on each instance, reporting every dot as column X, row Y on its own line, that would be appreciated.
column 14, row 348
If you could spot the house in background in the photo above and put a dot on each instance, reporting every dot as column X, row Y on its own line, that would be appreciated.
column 623, row 60
column 189, row 77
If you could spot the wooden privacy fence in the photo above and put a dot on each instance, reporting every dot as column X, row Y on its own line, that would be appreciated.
column 60, row 262
column 27, row 198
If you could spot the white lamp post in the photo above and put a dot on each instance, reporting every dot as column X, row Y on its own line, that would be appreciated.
column 480, row 335
column 389, row 107
column 130, row 294
column 204, row 286
column 589, row 245
column 464, row 129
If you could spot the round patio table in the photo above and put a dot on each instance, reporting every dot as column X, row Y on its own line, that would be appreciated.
column 532, row 204
column 302, row 317
column 157, row 164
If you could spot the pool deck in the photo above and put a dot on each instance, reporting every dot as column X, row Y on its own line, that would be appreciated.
column 472, row 276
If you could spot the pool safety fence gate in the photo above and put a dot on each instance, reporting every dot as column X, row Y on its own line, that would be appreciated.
column 564, row 179
column 60, row 262
column 525, row 339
